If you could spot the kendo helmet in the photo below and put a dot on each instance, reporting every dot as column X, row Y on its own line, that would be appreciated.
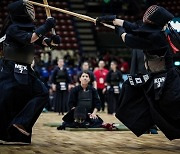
column 157, row 15
column 80, row 114
column 154, row 19
column 22, row 13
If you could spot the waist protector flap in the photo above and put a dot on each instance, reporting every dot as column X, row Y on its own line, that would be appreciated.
column 21, row 55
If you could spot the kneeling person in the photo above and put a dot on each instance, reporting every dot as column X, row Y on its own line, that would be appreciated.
column 84, row 103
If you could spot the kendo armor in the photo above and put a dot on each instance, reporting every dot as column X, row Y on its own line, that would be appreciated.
column 61, row 80
column 22, row 55
column 61, row 76
column 80, row 114
column 157, row 15
column 22, row 13
column 85, row 99
column 114, row 81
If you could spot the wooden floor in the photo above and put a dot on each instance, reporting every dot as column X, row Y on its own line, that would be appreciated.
column 49, row 140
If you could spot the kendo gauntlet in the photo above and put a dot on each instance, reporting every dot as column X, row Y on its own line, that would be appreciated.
column 107, row 18
column 46, row 27
column 53, row 41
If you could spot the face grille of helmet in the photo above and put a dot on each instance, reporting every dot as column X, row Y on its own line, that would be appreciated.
column 30, row 10
column 150, row 11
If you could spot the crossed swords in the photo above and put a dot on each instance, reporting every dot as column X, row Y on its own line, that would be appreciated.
column 81, row 16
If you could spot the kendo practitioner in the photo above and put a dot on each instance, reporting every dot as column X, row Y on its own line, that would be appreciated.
column 22, row 94
column 152, row 98
column 86, row 99
column 61, row 83
column 113, row 80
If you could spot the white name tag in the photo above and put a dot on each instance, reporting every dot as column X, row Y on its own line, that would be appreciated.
column 62, row 86
column 22, row 69
column 101, row 80
column 159, row 82
column 116, row 89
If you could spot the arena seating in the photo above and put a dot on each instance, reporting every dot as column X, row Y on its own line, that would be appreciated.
column 64, row 24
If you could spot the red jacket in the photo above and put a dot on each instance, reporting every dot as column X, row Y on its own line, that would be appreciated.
column 100, row 77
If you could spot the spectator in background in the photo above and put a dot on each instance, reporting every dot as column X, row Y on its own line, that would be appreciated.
column 100, row 74
column 107, row 57
column 93, row 62
column 124, row 66
column 44, row 75
column 61, row 83
column 113, row 80
column 34, row 68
